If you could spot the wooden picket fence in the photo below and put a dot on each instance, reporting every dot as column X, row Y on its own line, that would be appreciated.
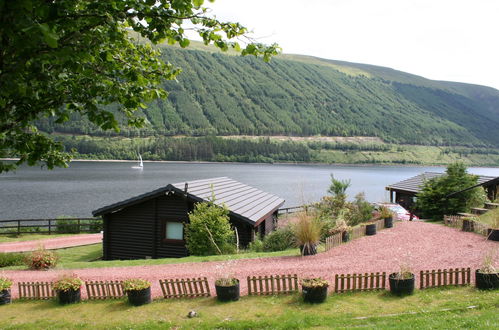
column 36, row 290
column 444, row 277
column 380, row 224
column 104, row 289
column 185, row 288
column 359, row 282
column 333, row 241
column 455, row 221
column 358, row 232
column 272, row 285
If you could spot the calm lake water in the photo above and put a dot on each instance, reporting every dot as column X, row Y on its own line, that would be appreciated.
column 32, row 192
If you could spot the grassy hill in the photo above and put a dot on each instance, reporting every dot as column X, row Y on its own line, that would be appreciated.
column 294, row 95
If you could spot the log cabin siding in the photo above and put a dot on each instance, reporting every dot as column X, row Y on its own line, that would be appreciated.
column 170, row 208
column 130, row 232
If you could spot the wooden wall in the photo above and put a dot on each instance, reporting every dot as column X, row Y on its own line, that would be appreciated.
column 135, row 232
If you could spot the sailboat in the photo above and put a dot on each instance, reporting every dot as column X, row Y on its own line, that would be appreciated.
column 140, row 165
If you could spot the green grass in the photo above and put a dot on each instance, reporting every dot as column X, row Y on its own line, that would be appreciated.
column 85, row 256
column 29, row 237
column 490, row 218
column 431, row 308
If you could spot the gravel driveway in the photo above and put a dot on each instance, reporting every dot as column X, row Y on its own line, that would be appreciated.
column 420, row 245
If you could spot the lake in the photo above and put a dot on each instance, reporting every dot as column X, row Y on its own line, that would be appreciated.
column 32, row 192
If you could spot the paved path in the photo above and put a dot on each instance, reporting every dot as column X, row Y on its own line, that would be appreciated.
column 52, row 243
column 422, row 246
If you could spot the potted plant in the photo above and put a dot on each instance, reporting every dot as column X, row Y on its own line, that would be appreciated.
column 370, row 228
column 307, row 233
column 387, row 216
column 493, row 231
column 138, row 291
column 487, row 277
column 68, row 289
column 402, row 282
column 227, row 289
column 314, row 290
column 5, row 285
column 342, row 227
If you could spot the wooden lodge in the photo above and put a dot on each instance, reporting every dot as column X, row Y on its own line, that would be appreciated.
column 152, row 225
column 404, row 192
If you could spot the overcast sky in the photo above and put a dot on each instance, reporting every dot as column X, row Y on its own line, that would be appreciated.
column 456, row 40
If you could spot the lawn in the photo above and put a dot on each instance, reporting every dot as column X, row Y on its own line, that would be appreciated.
column 87, row 257
column 462, row 307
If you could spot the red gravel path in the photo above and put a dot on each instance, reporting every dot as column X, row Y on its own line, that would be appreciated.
column 52, row 243
column 421, row 245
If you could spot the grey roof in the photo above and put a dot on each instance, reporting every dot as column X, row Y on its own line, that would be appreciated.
column 415, row 184
column 243, row 201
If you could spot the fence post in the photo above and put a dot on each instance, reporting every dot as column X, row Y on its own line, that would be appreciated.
column 79, row 228
column 50, row 227
column 18, row 227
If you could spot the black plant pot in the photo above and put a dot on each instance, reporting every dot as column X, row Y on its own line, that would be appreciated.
column 69, row 297
column 388, row 222
column 227, row 293
column 345, row 236
column 371, row 229
column 468, row 225
column 485, row 281
column 493, row 234
column 139, row 297
column 401, row 287
column 5, row 297
column 308, row 250
column 314, row 295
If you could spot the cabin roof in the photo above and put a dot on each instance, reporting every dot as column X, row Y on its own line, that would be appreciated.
column 245, row 202
column 415, row 183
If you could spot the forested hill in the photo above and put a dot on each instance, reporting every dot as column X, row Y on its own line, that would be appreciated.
column 219, row 94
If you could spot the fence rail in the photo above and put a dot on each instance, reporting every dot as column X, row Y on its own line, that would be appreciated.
column 334, row 241
column 444, row 277
column 456, row 221
column 359, row 282
column 185, row 288
column 36, row 290
column 273, row 284
column 50, row 226
column 104, row 289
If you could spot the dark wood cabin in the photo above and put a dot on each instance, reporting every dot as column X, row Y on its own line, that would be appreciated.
column 404, row 192
column 152, row 225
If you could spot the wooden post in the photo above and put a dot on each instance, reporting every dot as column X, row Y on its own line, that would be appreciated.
column 50, row 226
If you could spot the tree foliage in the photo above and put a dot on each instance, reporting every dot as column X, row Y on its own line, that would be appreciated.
column 438, row 198
column 209, row 231
column 58, row 58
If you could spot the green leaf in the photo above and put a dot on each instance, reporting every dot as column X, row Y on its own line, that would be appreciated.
column 49, row 35
column 184, row 43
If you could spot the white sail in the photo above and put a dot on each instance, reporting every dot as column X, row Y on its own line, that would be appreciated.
column 140, row 165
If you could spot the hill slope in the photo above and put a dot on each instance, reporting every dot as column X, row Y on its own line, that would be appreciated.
column 297, row 95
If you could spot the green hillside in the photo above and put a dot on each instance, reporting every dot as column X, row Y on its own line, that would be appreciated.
column 220, row 94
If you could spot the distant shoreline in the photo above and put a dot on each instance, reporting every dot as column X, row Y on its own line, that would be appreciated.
column 275, row 163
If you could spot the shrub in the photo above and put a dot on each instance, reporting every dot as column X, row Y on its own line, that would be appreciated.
column 67, row 283
column 307, row 231
column 209, row 230
column 314, row 282
column 95, row 226
column 41, row 259
column 436, row 199
column 5, row 283
column 279, row 240
column 11, row 259
column 361, row 210
column 65, row 226
column 256, row 245
column 135, row 284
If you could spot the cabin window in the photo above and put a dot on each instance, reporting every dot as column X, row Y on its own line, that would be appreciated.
column 174, row 232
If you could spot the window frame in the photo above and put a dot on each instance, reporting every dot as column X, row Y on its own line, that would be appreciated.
column 164, row 228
